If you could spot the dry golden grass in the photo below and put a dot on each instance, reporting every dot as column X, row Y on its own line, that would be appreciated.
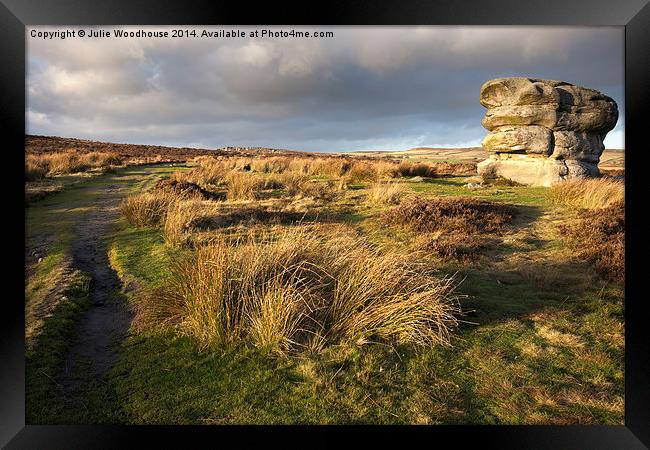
column 588, row 194
column 299, row 185
column 387, row 169
column 209, row 171
column 275, row 164
column 242, row 186
column 292, row 182
column 386, row 193
column 301, row 288
column 180, row 220
column 276, row 311
column 146, row 209
column 292, row 171
column 362, row 171
column 318, row 190
column 59, row 163
column 36, row 167
column 330, row 167
column 68, row 162
column 326, row 166
column 433, row 169
column 100, row 159
column 379, row 296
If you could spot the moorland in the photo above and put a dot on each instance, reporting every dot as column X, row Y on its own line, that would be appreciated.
column 178, row 286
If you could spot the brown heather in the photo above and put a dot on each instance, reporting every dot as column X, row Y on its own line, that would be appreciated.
column 459, row 214
column 599, row 237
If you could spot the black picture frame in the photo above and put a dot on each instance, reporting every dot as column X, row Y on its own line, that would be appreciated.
column 634, row 15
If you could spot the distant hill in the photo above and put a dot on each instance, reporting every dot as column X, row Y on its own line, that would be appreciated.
column 48, row 144
column 612, row 159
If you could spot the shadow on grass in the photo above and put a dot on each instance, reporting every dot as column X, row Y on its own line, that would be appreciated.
column 525, row 288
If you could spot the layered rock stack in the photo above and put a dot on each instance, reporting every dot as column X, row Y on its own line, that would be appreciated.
column 544, row 131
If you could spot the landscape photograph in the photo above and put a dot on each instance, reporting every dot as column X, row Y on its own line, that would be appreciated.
column 325, row 225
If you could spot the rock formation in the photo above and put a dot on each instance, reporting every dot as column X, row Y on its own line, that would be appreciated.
column 543, row 131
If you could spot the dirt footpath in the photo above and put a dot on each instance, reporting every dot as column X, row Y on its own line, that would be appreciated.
column 107, row 321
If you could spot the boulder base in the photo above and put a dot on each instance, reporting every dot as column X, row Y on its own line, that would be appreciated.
column 536, row 172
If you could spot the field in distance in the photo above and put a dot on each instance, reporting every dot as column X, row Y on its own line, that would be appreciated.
column 611, row 159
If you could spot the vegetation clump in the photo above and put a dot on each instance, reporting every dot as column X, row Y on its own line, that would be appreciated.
column 386, row 193
column 242, row 186
column 599, row 237
column 181, row 188
column 453, row 246
column 588, row 194
column 460, row 214
column 38, row 166
column 301, row 289
column 147, row 209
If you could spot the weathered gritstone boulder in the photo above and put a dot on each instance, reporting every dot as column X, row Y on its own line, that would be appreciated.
column 513, row 139
column 577, row 145
column 544, row 131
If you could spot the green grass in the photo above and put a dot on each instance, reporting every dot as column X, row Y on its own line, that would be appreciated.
column 500, row 373
column 139, row 254
column 43, row 359
column 544, row 343
column 519, row 195
column 500, row 370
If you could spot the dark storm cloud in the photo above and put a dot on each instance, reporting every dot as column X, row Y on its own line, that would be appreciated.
column 368, row 87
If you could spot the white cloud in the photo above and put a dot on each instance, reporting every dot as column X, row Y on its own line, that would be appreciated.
column 615, row 138
column 391, row 85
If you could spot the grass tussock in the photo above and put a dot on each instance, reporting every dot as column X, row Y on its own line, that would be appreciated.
column 434, row 169
column 599, row 237
column 588, row 194
column 460, row 214
column 180, row 220
column 361, row 172
column 38, row 166
column 386, row 193
column 318, row 190
column 147, row 209
column 302, row 289
column 242, row 186
column 208, row 172
column 270, row 165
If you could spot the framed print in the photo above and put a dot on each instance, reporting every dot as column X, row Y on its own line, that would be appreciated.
column 379, row 219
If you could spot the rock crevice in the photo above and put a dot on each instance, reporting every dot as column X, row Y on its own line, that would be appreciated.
column 544, row 131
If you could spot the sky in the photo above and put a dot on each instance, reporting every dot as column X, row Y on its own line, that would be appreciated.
column 364, row 88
